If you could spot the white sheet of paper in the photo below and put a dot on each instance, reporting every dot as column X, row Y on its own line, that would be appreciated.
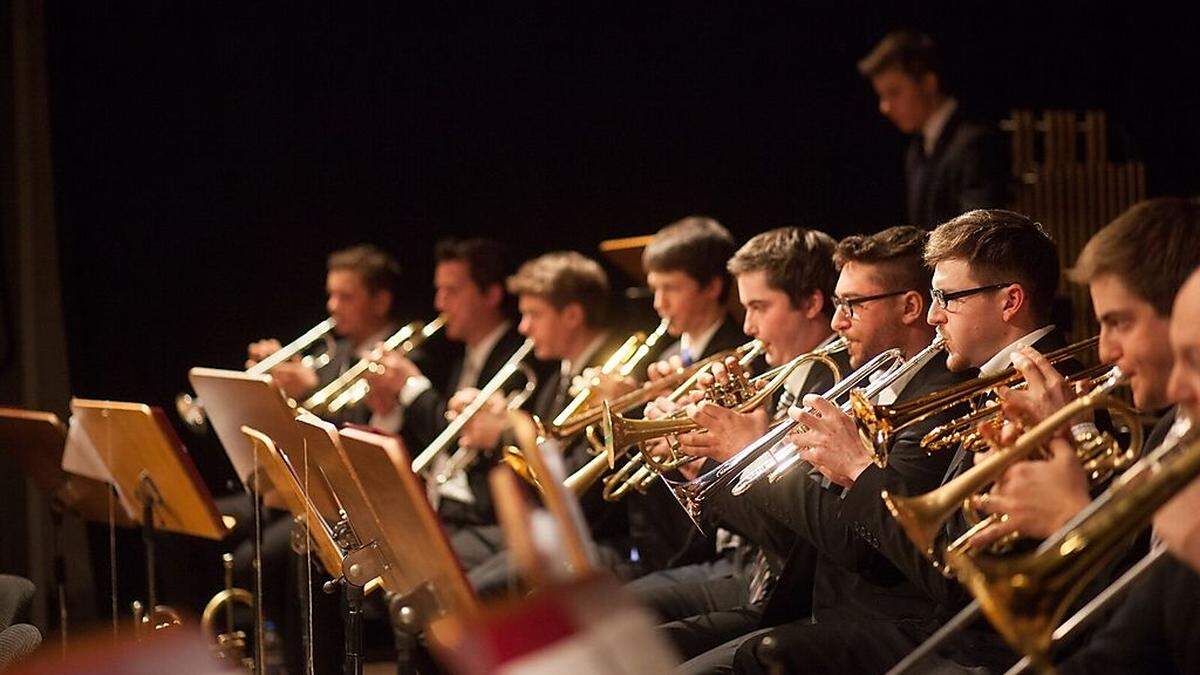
column 81, row 457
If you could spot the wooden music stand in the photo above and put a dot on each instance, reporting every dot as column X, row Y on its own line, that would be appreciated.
column 153, row 474
column 233, row 399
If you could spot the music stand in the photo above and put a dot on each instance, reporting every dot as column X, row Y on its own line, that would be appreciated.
column 153, row 473
column 36, row 440
column 233, row 399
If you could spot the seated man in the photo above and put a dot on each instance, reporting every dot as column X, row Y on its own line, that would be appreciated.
column 685, row 267
column 563, row 300
column 785, row 281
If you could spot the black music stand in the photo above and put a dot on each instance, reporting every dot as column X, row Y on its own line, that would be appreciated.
column 153, row 474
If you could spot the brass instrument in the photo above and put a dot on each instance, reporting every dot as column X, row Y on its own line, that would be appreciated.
column 191, row 409
column 964, row 431
column 349, row 388
column 161, row 617
column 742, row 469
column 858, row 397
column 229, row 645
column 880, row 423
column 624, row 362
column 619, row 433
column 922, row 516
column 450, row 433
column 1026, row 596
column 644, row 468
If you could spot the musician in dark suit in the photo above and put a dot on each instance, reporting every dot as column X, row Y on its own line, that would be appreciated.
column 785, row 282
column 1156, row 629
column 469, row 294
column 563, row 299
column 685, row 268
column 954, row 164
column 881, row 303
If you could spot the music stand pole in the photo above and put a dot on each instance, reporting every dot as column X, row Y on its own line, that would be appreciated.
column 148, row 494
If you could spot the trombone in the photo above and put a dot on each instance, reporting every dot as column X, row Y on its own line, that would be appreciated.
column 349, row 388
column 624, row 362
column 1026, row 596
column 922, row 516
column 880, row 422
column 464, row 457
column 191, row 409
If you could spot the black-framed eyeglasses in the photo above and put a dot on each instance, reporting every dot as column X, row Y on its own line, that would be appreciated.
column 847, row 305
column 942, row 299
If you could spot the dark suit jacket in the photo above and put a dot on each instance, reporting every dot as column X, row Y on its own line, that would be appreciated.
column 425, row 418
column 661, row 531
column 967, row 170
column 832, row 571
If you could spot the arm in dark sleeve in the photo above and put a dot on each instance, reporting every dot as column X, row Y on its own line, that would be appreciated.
column 985, row 173
column 424, row 419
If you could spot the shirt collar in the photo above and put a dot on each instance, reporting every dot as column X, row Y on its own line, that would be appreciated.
column 932, row 131
column 478, row 354
column 799, row 377
column 696, row 344
column 572, row 368
column 1003, row 358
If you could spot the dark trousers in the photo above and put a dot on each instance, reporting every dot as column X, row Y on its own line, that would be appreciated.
column 834, row 646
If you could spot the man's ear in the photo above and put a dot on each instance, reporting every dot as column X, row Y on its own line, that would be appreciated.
column 813, row 303
column 574, row 315
column 494, row 296
column 915, row 308
column 1013, row 300
column 381, row 303
column 930, row 83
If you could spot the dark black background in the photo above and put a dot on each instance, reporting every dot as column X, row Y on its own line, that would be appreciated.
column 208, row 155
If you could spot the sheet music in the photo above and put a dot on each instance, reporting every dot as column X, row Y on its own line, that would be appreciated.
column 81, row 457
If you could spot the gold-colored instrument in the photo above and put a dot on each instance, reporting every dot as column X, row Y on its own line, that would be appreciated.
column 623, row 363
column 619, row 433
column 880, row 423
column 644, row 468
column 1026, row 596
column 191, row 409
column 516, row 363
column 964, row 431
column 230, row 644
column 922, row 516
column 754, row 461
column 161, row 617
column 349, row 388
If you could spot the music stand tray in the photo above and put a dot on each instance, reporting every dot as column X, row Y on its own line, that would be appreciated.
column 233, row 399
column 36, row 440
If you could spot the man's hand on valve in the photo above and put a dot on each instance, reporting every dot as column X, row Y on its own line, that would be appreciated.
column 1046, row 390
column 723, row 432
column 1178, row 525
column 294, row 379
column 661, row 369
column 828, row 439
column 482, row 431
column 386, row 379
column 1037, row 497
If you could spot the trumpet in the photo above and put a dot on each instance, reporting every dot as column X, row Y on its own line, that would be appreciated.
column 1025, row 597
column 743, row 469
column 349, row 388
column 880, row 422
column 229, row 645
column 191, row 409
column 922, row 516
column 620, row 433
column 643, row 468
column 624, row 362
column 440, row 444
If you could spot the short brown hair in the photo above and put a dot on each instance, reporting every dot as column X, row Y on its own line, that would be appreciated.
column 378, row 269
column 897, row 252
column 913, row 53
column 796, row 260
column 1152, row 248
column 697, row 246
column 1001, row 246
column 488, row 261
column 564, row 277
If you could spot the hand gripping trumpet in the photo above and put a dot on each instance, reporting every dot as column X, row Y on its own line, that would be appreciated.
column 692, row 495
column 880, row 422
column 442, row 443
column 349, row 388
column 1025, row 597
column 922, row 516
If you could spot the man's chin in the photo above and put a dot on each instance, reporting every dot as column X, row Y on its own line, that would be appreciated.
column 957, row 363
